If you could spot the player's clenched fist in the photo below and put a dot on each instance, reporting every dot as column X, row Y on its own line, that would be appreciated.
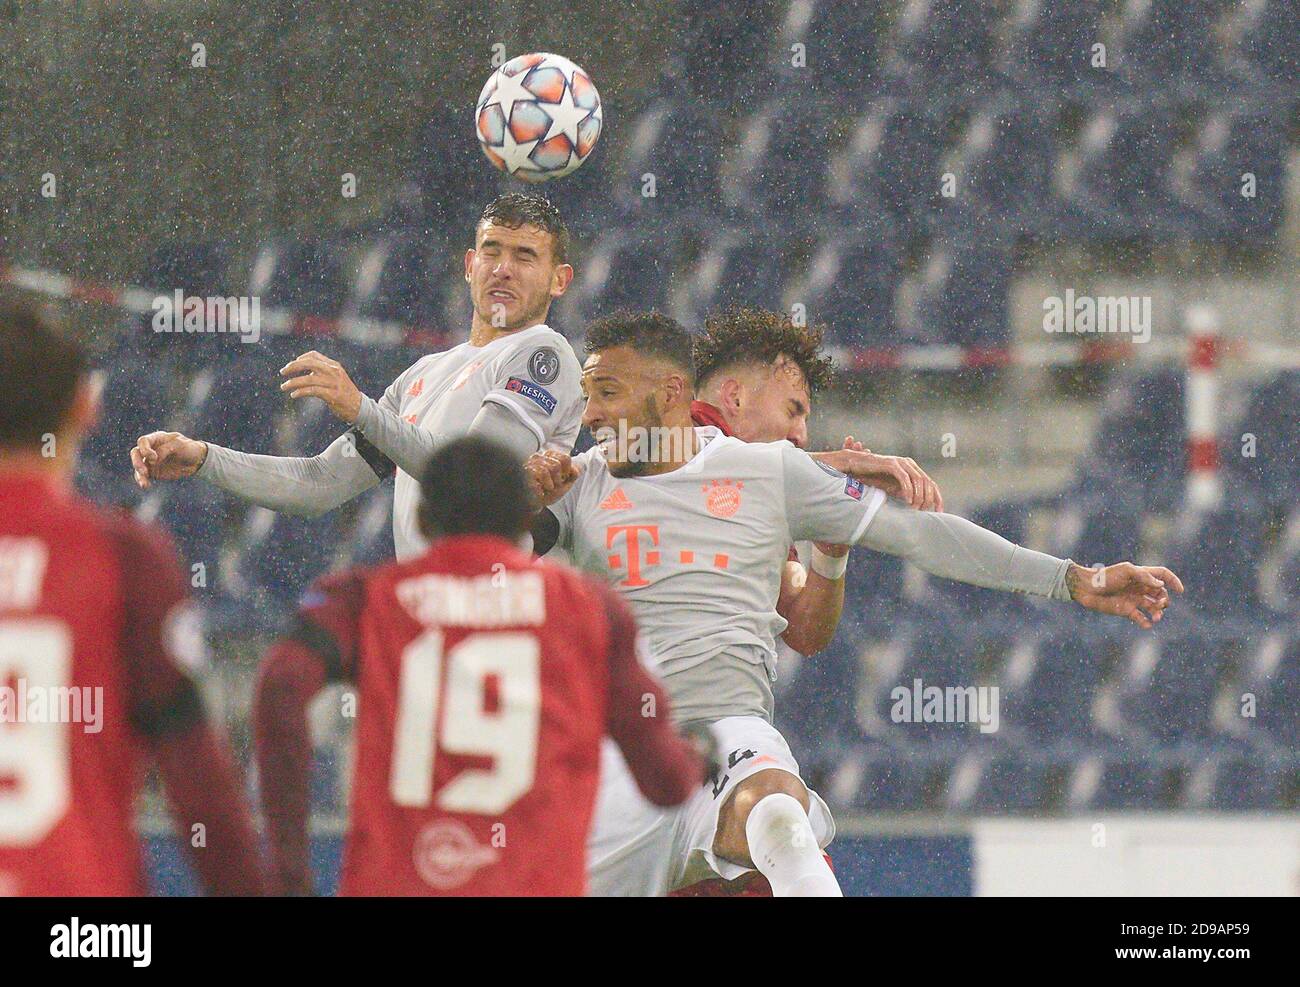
column 314, row 375
column 550, row 475
column 166, row 456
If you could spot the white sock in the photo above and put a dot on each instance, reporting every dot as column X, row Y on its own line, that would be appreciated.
column 785, row 850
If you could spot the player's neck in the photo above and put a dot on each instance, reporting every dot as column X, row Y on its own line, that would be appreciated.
column 17, row 463
column 481, row 333
column 688, row 447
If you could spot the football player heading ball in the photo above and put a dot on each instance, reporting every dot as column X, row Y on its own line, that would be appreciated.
column 514, row 381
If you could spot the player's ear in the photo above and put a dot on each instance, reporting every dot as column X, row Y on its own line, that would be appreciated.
column 561, row 279
column 469, row 263
column 730, row 394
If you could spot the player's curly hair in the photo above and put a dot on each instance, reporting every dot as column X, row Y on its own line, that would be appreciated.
column 747, row 336
column 516, row 209
column 652, row 333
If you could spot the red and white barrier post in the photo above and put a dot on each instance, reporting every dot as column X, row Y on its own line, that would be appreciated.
column 1204, row 484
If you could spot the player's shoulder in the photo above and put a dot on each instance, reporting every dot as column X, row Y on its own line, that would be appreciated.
column 546, row 349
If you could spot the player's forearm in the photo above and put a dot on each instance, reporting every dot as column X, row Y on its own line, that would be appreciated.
column 207, row 800
column 294, row 485
column 410, row 446
column 813, row 613
column 288, row 679
column 954, row 548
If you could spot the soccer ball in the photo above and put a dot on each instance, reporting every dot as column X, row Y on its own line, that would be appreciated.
column 538, row 117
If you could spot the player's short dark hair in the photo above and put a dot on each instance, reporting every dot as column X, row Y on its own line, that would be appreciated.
column 40, row 368
column 473, row 486
column 651, row 333
column 747, row 336
column 516, row 209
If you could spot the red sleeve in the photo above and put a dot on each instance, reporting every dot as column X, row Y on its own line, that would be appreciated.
column 667, row 769
column 322, row 646
column 203, row 785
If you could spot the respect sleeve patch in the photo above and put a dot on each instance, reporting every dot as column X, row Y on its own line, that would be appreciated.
column 539, row 395
column 855, row 488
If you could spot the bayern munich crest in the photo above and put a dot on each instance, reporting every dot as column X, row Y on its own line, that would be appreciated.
column 538, row 117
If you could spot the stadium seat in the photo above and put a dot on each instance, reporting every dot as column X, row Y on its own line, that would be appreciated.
column 1228, row 145
column 947, row 43
column 1267, row 45
column 1170, row 43
column 303, row 276
column 776, row 168
column 849, row 286
column 398, row 281
column 1139, row 443
column 1171, row 686
column 891, row 782
column 1048, row 689
column 738, row 268
column 1227, row 543
column 1006, row 784
column 962, row 294
column 841, row 46
column 1049, row 45
column 1245, row 783
column 624, row 273
column 685, row 172
column 1123, row 187
column 890, row 164
column 280, row 556
column 1261, row 454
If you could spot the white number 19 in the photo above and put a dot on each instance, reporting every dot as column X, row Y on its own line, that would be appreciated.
column 509, row 735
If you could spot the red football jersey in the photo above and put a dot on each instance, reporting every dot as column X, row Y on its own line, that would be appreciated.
column 85, row 677
column 486, row 683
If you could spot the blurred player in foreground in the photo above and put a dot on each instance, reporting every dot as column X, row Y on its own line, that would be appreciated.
column 515, row 381
column 486, row 684
column 94, row 638
column 691, row 527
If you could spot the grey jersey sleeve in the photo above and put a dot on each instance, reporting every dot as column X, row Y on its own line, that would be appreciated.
column 310, row 486
column 821, row 503
column 539, row 385
column 954, row 548
column 409, row 446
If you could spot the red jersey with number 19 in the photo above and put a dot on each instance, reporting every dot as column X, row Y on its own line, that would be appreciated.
column 486, row 684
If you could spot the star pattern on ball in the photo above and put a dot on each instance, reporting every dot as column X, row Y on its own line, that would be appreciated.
column 565, row 116
column 516, row 155
column 510, row 89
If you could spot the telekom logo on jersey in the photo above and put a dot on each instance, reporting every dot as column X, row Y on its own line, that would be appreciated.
column 641, row 550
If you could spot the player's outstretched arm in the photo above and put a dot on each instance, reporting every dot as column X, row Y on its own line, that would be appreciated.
column 954, row 548
column 667, row 767
column 309, row 486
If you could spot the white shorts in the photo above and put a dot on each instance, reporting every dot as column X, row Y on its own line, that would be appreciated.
column 638, row 849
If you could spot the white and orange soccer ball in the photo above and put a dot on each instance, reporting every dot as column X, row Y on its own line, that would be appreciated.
column 538, row 117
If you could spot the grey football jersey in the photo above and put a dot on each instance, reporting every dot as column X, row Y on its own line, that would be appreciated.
column 698, row 555
column 534, row 373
